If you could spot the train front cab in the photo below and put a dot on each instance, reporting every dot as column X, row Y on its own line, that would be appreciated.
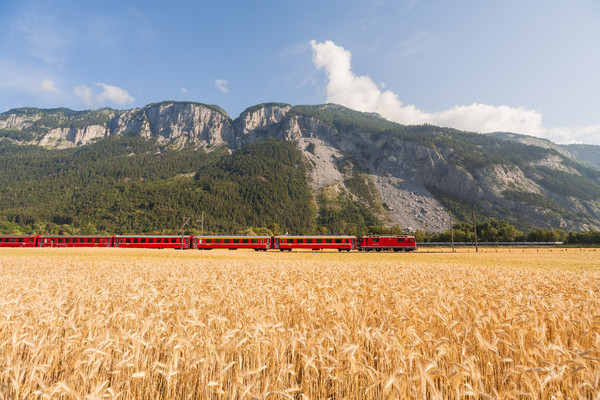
column 388, row 243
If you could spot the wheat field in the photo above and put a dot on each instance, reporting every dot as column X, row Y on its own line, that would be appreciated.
column 164, row 324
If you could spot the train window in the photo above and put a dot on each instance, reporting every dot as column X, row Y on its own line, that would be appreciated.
column 236, row 240
column 254, row 240
column 13, row 240
column 375, row 240
column 319, row 240
column 338, row 240
column 97, row 240
column 244, row 240
column 328, row 240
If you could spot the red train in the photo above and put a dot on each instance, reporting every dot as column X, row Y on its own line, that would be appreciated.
column 263, row 243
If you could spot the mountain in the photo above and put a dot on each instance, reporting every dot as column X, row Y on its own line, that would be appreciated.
column 358, row 168
column 584, row 154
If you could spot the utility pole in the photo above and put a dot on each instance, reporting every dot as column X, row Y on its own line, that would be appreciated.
column 185, row 221
column 202, row 225
column 475, row 231
column 452, row 230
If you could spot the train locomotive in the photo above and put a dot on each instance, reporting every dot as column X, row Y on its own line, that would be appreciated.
column 377, row 243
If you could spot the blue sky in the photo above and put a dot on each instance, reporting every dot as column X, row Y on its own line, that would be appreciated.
column 527, row 66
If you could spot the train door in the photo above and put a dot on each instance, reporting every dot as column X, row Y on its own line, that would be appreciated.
column 353, row 246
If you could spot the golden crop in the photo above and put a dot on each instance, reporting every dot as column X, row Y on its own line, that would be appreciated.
column 164, row 324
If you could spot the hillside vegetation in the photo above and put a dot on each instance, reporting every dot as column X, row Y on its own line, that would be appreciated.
column 129, row 184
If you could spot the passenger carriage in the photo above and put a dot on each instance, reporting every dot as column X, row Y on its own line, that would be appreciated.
column 75, row 241
column 154, row 242
column 340, row 243
column 19, row 241
column 232, row 242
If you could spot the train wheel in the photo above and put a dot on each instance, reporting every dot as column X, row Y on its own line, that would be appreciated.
column 396, row 250
column 378, row 250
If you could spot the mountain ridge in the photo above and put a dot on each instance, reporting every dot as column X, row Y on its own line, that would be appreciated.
column 418, row 177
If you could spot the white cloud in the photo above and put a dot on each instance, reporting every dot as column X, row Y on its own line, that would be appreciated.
column 221, row 84
column 362, row 94
column 184, row 90
column 84, row 93
column 47, row 86
column 578, row 134
column 108, row 93
column 114, row 94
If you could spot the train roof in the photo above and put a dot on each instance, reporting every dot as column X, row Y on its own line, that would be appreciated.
column 315, row 237
column 77, row 236
column 152, row 236
column 232, row 237
column 387, row 236
column 18, row 236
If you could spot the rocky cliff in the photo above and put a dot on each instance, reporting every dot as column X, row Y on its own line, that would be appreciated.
column 414, row 177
